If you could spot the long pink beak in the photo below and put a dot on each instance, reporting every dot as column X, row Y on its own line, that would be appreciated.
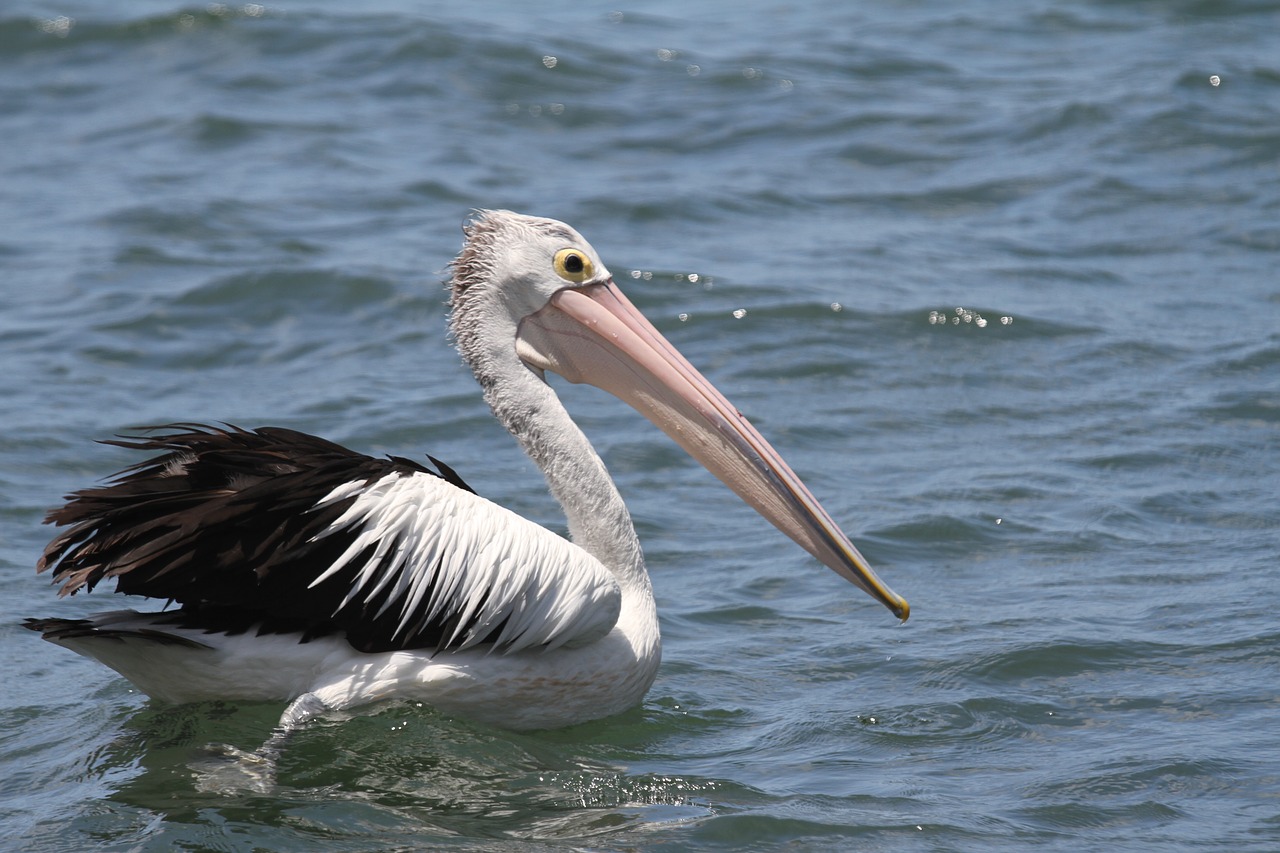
column 594, row 334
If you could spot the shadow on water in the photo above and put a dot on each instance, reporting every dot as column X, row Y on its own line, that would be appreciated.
column 399, row 770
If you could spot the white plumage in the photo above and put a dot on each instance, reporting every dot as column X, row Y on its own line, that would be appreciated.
column 426, row 547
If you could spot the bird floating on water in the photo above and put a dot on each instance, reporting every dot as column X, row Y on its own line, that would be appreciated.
column 308, row 573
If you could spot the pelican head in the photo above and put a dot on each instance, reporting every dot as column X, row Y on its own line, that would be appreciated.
column 534, row 290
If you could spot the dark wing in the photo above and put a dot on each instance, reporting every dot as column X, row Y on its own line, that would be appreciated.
column 277, row 530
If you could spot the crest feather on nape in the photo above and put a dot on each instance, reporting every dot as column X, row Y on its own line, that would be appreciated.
column 483, row 232
column 475, row 262
column 474, row 268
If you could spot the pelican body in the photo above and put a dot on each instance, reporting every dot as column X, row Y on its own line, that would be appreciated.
column 294, row 569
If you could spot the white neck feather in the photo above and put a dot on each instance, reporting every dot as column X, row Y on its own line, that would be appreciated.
column 598, row 519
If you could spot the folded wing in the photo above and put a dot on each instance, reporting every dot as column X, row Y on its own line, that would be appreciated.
column 274, row 530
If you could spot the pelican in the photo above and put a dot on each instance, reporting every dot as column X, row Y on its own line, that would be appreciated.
column 296, row 570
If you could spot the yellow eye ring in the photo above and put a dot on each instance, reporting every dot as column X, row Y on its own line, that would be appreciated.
column 573, row 265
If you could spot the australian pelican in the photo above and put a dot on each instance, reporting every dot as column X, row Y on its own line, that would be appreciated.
column 308, row 573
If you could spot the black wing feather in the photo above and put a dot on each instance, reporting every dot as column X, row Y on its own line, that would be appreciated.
column 224, row 521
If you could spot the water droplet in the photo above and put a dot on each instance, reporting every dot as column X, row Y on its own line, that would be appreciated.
column 739, row 313
column 1214, row 79
column 636, row 273
column 684, row 318
column 837, row 307
column 59, row 26
column 693, row 277
column 550, row 61
column 693, row 70
column 666, row 55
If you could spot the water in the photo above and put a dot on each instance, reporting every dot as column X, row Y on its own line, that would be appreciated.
column 998, row 279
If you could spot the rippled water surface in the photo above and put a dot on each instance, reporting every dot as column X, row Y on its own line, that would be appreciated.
column 998, row 279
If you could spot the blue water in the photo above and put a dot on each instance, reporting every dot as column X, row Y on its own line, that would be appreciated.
column 998, row 279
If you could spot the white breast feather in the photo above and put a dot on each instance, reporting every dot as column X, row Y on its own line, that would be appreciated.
column 438, row 549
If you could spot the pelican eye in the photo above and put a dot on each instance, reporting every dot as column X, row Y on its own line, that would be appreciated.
column 573, row 265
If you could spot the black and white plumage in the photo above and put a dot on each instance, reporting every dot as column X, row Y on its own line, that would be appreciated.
column 303, row 571
column 279, row 532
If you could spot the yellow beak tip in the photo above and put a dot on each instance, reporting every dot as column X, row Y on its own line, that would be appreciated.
column 902, row 610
